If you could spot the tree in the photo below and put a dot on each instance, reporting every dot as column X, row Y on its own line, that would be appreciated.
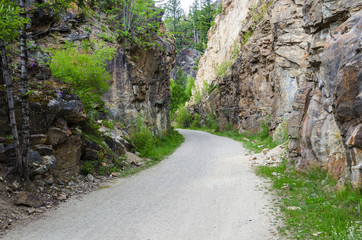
column 25, row 131
column 10, row 23
column 135, row 20
column 173, row 20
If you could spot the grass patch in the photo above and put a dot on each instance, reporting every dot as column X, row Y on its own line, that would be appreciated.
column 322, row 212
column 253, row 142
column 161, row 148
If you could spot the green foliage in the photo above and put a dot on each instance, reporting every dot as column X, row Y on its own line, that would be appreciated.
column 10, row 22
column 142, row 137
column 162, row 147
column 85, row 73
column 180, row 90
column 183, row 118
column 196, row 123
column 221, row 69
column 246, row 36
column 212, row 122
column 173, row 15
column 133, row 20
column 87, row 168
column 253, row 141
column 189, row 86
column 108, row 124
column 107, row 37
column 325, row 213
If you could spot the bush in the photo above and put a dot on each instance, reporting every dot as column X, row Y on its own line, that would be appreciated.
column 87, row 168
column 221, row 69
column 183, row 118
column 196, row 122
column 85, row 73
column 142, row 137
column 211, row 122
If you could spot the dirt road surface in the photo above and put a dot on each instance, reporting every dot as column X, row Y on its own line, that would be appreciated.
column 204, row 191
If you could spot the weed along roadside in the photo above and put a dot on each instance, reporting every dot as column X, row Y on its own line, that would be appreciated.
column 312, row 206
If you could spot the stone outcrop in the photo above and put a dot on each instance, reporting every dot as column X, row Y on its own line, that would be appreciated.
column 141, row 85
column 222, row 38
column 185, row 61
column 298, row 66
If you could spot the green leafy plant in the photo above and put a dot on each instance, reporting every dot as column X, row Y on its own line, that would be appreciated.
column 196, row 122
column 107, row 37
column 11, row 22
column 183, row 118
column 85, row 73
column 134, row 21
column 211, row 122
column 320, row 211
column 142, row 137
column 87, row 167
column 221, row 69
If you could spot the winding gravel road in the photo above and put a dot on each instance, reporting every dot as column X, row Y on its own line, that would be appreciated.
column 204, row 191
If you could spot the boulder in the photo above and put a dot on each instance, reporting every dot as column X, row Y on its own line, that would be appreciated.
column 73, row 111
column 135, row 160
column 38, row 139
column 29, row 200
column 68, row 155
column 56, row 136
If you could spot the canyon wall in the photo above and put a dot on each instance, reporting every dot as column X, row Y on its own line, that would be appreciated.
column 58, row 120
column 141, row 86
column 298, row 67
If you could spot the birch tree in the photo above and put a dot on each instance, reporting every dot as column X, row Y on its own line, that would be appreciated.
column 10, row 24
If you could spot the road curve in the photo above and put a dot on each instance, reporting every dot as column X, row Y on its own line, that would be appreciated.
column 204, row 191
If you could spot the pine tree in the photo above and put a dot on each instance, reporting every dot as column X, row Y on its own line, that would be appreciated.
column 173, row 20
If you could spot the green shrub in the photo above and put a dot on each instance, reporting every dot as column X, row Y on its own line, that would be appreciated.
column 196, row 122
column 108, row 124
column 183, row 118
column 211, row 122
column 142, row 137
column 87, row 168
column 107, row 37
column 221, row 69
column 85, row 73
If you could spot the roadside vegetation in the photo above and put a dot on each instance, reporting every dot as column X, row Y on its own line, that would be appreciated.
column 156, row 149
column 312, row 206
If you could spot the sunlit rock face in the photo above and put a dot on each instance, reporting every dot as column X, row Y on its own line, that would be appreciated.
column 298, row 67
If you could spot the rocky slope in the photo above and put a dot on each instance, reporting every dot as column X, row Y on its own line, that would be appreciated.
column 298, row 67
column 139, row 87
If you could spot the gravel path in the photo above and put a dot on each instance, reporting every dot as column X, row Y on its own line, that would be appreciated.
column 204, row 191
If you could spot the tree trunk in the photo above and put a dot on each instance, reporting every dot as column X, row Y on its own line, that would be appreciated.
column 10, row 99
column 24, row 99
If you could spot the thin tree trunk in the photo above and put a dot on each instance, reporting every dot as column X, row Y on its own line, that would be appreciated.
column 24, row 99
column 10, row 99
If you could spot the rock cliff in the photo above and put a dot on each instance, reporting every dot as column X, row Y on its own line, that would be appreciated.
column 298, row 65
column 139, row 87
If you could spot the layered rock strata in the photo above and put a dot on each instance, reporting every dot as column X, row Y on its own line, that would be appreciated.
column 298, row 66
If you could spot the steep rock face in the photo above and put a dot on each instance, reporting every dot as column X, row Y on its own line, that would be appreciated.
column 299, row 65
column 222, row 37
column 141, row 86
column 185, row 61
column 328, row 124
